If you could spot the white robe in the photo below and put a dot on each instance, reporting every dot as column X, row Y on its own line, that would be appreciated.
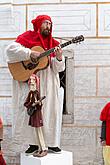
column 52, row 105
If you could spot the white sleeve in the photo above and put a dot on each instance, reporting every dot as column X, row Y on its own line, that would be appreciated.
column 58, row 66
column 16, row 52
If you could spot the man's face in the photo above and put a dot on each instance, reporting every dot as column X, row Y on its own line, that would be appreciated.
column 46, row 27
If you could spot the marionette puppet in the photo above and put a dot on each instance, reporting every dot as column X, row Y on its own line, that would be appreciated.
column 2, row 161
column 33, row 104
column 105, row 133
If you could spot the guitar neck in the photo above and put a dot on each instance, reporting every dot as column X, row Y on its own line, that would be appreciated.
column 46, row 53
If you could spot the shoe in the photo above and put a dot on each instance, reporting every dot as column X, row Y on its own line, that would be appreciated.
column 31, row 149
column 41, row 153
column 54, row 149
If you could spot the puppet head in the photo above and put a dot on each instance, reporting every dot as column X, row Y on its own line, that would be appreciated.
column 33, row 82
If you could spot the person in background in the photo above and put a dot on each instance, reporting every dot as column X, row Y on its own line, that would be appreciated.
column 21, row 50
column 105, row 133
column 2, row 161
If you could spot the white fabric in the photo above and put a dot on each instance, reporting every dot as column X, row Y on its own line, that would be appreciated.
column 52, row 108
column 16, row 52
column 106, row 155
column 41, row 138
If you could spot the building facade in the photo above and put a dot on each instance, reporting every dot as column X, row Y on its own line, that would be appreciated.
column 87, row 69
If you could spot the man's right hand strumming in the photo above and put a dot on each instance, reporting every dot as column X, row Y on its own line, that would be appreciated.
column 34, row 55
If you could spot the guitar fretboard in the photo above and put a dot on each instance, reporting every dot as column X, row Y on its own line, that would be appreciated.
column 52, row 49
column 66, row 44
column 74, row 40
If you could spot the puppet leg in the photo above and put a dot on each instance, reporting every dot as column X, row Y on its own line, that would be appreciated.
column 43, row 151
column 41, row 138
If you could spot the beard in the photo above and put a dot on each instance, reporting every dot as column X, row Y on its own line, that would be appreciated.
column 45, row 32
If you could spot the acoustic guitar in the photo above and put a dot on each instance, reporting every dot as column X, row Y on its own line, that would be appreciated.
column 22, row 70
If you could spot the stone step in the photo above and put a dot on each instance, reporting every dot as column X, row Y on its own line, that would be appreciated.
column 65, row 158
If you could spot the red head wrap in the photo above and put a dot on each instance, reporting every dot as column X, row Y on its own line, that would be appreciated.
column 37, row 22
column 34, row 38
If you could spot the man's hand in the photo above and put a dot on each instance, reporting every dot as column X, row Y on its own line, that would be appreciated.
column 58, row 53
column 34, row 55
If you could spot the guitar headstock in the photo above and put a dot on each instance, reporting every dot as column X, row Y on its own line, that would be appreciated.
column 78, row 39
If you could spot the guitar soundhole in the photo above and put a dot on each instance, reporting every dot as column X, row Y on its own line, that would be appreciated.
column 31, row 66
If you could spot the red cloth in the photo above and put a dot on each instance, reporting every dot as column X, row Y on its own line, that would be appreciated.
column 34, row 38
column 105, row 116
column 2, row 161
column 1, row 124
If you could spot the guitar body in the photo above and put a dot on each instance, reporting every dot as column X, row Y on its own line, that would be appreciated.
column 20, row 73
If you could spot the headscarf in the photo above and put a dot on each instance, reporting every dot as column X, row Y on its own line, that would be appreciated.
column 34, row 38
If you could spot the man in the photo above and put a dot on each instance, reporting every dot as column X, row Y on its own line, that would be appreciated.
column 20, row 50
column 105, row 133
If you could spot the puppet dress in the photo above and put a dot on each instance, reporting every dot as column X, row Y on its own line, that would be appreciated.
column 36, row 119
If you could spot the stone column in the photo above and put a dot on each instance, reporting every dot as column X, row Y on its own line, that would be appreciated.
column 69, row 56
